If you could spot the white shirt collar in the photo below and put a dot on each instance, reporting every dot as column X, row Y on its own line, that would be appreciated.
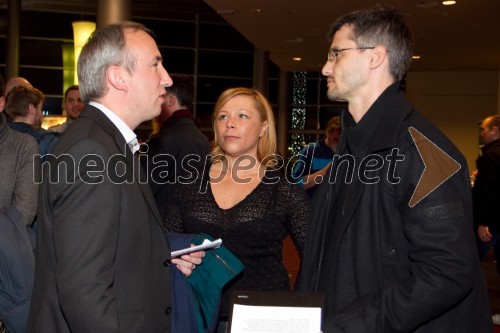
column 127, row 133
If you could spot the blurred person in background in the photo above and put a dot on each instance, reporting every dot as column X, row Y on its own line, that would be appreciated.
column 73, row 106
column 18, row 207
column 24, row 108
column 315, row 159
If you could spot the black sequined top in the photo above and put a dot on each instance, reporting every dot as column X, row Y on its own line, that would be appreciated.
column 253, row 230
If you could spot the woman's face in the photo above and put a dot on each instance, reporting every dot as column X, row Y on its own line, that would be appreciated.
column 239, row 127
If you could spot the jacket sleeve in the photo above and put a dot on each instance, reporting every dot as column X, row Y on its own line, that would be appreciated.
column 25, row 196
column 17, row 267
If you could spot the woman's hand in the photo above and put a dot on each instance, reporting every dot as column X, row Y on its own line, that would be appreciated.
column 188, row 262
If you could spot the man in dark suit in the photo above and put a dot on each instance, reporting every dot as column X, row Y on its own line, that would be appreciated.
column 179, row 148
column 103, row 261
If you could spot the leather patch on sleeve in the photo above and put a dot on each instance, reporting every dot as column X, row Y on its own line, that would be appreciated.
column 444, row 211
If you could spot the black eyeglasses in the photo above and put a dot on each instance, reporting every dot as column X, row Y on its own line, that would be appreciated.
column 333, row 54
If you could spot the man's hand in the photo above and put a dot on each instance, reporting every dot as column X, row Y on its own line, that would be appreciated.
column 484, row 233
column 188, row 262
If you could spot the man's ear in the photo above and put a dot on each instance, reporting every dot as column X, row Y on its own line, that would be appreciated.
column 171, row 99
column 31, row 110
column 379, row 53
column 115, row 75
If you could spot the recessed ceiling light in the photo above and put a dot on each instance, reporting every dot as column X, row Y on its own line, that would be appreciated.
column 449, row 2
column 296, row 58
column 415, row 57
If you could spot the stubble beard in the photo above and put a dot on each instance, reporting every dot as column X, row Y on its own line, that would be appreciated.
column 334, row 95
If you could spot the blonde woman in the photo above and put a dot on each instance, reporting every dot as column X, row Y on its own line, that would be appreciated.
column 242, row 197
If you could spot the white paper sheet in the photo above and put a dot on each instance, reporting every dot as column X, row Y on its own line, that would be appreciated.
column 275, row 319
column 207, row 244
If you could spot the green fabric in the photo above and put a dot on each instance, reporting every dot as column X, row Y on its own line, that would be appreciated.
column 219, row 266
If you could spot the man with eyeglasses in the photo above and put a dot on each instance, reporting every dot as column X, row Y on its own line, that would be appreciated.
column 390, row 246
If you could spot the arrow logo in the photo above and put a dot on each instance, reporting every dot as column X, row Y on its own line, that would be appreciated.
column 438, row 166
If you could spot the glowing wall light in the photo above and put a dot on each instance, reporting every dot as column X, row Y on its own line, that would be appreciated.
column 68, row 56
column 81, row 32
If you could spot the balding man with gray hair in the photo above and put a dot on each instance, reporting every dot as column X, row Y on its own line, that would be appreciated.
column 486, row 191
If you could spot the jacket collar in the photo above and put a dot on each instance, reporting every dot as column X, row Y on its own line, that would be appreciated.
column 379, row 127
column 175, row 117
column 495, row 143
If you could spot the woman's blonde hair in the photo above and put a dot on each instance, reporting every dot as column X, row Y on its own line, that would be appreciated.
column 266, row 150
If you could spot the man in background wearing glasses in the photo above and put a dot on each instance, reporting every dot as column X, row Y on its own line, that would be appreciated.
column 391, row 246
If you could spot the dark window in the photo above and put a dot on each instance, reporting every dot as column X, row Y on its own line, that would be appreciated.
column 274, row 71
column 209, row 89
column 49, row 81
column 222, row 37
column 172, row 33
column 273, row 91
column 225, row 63
column 52, row 106
column 204, row 114
column 3, row 22
column 178, row 61
column 41, row 53
column 3, row 46
column 312, row 91
column 49, row 24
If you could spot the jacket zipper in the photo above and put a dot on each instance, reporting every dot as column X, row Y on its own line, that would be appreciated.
column 222, row 261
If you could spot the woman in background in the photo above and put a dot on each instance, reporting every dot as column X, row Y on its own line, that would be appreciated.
column 242, row 197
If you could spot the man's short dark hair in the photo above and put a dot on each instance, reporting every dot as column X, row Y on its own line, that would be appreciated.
column 183, row 89
column 73, row 87
column 380, row 26
column 20, row 98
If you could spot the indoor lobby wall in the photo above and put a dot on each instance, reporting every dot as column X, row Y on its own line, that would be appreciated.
column 455, row 102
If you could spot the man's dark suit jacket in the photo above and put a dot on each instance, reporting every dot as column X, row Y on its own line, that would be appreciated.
column 100, row 263
column 179, row 150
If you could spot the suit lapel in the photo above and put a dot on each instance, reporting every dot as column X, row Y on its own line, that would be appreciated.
column 139, row 175
column 133, row 163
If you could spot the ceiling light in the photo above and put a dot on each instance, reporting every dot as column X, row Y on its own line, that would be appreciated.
column 415, row 57
column 449, row 2
column 296, row 58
